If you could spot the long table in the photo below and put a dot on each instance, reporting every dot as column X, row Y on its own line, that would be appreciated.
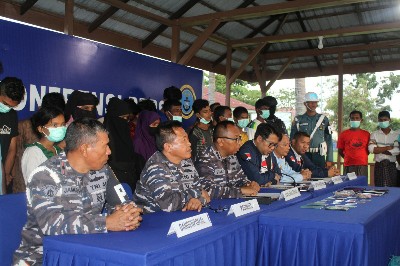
column 365, row 235
column 230, row 241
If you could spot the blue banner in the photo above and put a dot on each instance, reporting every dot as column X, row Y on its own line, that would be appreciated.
column 47, row 61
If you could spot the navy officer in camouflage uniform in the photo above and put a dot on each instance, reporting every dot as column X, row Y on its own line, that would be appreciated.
column 317, row 126
column 66, row 194
column 220, row 172
column 169, row 181
column 256, row 159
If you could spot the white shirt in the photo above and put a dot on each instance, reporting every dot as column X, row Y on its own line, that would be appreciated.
column 287, row 170
column 380, row 139
column 33, row 157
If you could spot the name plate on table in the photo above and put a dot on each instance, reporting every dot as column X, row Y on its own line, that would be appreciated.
column 190, row 225
column 337, row 179
column 317, row 185
column 351, row 176
column 290, row 194
column 243, row 208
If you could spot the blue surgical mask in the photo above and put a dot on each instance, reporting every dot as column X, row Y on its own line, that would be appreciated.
column 265, row 114
column 56, row 134
column 204, row 121
column 384, row 124
column 177, row 118
column 242, row 123
column 4, row 108
column 355, row 124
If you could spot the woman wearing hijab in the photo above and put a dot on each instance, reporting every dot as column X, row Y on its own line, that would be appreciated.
column 79, row 105
column 49, row 124
column 144, row 141
column 126, row 164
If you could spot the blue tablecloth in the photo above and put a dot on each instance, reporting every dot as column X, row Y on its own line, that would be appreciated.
column 230, row 241
column 366, row 235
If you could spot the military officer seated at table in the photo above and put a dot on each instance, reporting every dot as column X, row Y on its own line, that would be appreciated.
column 255, row 159
column 297, row 159
column 66, row 194
column 169, row 181
column 220, row 172
column 288, row 174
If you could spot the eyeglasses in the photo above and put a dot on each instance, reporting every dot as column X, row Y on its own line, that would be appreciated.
column 219, row 209
column 271, row 144
column 238, row 139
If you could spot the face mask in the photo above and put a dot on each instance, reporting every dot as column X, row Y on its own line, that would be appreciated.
column 230, row 119
column 80, row 113
column 384, row 124
column 204, row 121
column 56, row 134
column 355, row 124
column 265, row 114
column 242, row 123
column 177, row 118
column 4, row 108
column 153, row 130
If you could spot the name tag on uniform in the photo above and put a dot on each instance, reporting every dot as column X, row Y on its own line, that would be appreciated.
column 243, row 208
column 219, row 171
column 190, row 225
column 71, row 190
column 337, row 179
column 352, row 176
column 290, row 194
column 317, row 185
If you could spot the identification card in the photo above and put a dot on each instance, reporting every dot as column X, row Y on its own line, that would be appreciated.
column 317, row 185
column 352, row 176
column 243, row 208
column 290, row 194
column 337, row 179
column 190, row 225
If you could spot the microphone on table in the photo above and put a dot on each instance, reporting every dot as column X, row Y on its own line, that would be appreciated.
column 244, row 158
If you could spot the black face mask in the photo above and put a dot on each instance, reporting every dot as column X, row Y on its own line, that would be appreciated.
column 80, row 113
column 153, row 130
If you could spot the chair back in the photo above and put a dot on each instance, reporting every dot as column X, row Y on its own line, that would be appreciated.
column 12, row 219
column 128, row 190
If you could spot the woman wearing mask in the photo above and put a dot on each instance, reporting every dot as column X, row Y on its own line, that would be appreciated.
column 49, row 124
column 144, row 142
column 79, row 105
column 126, row 164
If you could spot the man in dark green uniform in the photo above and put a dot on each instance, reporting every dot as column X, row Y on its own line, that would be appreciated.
column 317, row 126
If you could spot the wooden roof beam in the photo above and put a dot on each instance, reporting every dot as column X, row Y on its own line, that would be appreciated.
column 332, row 50
column 26, row 6
column 265, row 10
column 350, row 31
column 103, row 17
column 179, row 13
column 279, row 73
column 139, row 12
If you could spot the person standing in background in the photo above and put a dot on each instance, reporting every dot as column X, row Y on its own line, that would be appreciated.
column 12, row 92
column 241, row 118
column 384, row 144
column 353, row 146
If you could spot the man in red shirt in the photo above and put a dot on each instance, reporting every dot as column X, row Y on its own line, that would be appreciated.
column 353, row 146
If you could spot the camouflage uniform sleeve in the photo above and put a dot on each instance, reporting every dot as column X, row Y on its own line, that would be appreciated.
column 162, row 190
column 55, row 213
column 328, row 139
column 205, row 165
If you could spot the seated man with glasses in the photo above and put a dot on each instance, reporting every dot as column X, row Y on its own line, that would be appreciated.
column 219, row 170
column 169, row 181
column 255, row 159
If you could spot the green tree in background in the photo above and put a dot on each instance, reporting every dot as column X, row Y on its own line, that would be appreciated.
column 357, row 96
